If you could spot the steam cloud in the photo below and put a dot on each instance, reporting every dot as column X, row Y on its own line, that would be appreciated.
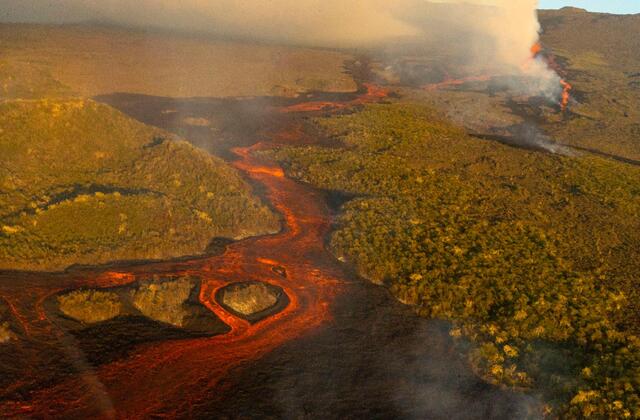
column 494, row 33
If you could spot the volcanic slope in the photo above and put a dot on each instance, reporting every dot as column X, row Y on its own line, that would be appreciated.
column 81, row 183
column 601, row 55
column 37, row 60
column 533, row 256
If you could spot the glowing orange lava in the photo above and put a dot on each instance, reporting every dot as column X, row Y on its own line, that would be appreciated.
column 536, row 49
column 566, row 94
column 373, row 93
column 169, row 378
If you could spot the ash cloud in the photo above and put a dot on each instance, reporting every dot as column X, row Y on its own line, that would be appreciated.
column 494, row 35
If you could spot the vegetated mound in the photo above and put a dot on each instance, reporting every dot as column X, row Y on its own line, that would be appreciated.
column 533, row 256
column 172, row 301
column 108, row 323
column 6, row 332
column 252, row 300
column 600, row 55
column 164, row 301
column 90, row 306
column 90, row 61
column 81, row 183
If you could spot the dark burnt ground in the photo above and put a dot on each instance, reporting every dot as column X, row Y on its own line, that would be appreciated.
column 378, row 359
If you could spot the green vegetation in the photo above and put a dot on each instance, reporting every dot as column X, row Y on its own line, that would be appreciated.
column 82, row 183
column 90, row 306
column 249, row 299
column 163, row 300
column 534, row 257
column 5, row 333
column 170, row 300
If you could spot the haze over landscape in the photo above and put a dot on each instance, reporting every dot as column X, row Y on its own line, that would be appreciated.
column 202, row 203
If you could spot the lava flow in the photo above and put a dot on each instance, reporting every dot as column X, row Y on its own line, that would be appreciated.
column 566, row 94
column 373, row 93
column 170, row 378
column 536, row 50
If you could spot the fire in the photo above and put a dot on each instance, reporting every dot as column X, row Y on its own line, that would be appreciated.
column 566, row 93
column 536, row 49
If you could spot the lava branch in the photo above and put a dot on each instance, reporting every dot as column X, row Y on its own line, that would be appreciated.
column 566, row 93
column 536, row 51
column 186, row 371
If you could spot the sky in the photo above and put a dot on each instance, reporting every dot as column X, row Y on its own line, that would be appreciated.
column 609, row 6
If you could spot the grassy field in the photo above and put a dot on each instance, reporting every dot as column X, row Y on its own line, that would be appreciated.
column 89, row 61
column 81, row 183
column 534, row 257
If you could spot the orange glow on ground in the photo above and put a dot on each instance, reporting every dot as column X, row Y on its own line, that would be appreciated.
column 169, row 378
column 566, row 94
column 373, row 93
column 536, row 49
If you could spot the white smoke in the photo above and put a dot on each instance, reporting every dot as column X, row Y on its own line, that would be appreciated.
column 513, row 23
column 515, row 29
column 496, row 33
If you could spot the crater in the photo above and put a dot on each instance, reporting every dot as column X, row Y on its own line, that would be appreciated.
column 252, row 300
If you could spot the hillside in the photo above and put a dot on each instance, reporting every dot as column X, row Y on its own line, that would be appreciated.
column 530, row 248
column 84, row 184
column 513, row 219
column 81, row 183
column 601, row 57
column 533, row 256
column 38, row 60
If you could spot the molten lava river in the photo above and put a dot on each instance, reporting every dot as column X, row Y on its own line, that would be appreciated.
column 340, row 347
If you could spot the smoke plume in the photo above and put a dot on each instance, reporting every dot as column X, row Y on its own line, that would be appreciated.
column 496, row 35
